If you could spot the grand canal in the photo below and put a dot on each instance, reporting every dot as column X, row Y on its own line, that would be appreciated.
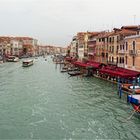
column 39, row 102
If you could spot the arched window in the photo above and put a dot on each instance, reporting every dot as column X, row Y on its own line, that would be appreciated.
column 133, row 59
column 134, row 45
column 112, row 59
column 126, row 60
column 126, row 46
column 117, row 59
column 120, row 47
column 109, row 59
column 120, row 60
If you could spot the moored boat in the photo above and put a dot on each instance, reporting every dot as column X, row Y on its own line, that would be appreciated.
column 27, row 63
column 69, row 69
column 135, row 101
column 12, row 59
column 75, row 73
column 130, row 88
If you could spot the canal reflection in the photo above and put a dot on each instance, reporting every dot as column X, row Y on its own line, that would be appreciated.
column 39, row 102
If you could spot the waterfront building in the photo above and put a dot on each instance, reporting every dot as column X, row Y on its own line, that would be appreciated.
column 91, row 45
column 16, row 47
column 102, row 47
column 63, row 50
column 81, row 45
column 29, row 45
column 74, row 47
column 5, row 46
column 121, row 51
column 110, row 45
column 106, row 47
column 132, row 52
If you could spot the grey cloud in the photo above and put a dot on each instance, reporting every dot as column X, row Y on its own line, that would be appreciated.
column 56, row 21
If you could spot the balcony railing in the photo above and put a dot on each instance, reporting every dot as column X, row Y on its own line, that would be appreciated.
column 111, row 63
column 105, row 61
column 121, row 51
column 92, row 39
column 133, row 52
column 122, row 65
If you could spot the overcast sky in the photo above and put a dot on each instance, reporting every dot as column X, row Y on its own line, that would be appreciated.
column 56, row 21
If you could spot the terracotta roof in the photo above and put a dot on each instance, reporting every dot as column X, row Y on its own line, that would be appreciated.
column 105, row 34
column 130, row 27
column 23, row 38
column 127, row 32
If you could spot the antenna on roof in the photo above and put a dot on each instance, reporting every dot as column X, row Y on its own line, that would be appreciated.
column 134, row 19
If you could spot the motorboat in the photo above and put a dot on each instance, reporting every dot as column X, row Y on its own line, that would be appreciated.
column 75, row 73
column 12, row 59
column 27, row 63
column 131, row 89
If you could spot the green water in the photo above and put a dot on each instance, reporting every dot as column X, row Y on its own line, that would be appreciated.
column 39, row 102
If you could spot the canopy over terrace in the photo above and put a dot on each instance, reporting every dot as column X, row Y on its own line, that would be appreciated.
column 70, row 59
column 119, row 72
column 95, row 65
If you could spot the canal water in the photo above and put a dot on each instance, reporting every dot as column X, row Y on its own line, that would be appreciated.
column 39, row 102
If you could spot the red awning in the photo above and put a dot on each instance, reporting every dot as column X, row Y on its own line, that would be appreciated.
column 89, row 64
column 80, row 64
column 70, row 59
column 119, row 72
column 94, row 64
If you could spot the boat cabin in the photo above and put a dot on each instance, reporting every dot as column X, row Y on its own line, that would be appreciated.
column 27, row 63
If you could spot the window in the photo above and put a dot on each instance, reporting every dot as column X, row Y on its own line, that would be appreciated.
column 117, row 49
column 117, row 59
column 112, row 49
column 117, row 38
column 103, row 54
column 134, row 45
column 122, row 59
column 110, row 39
column 107, row 39
column 126, row 46
column 106, row 55
column 123, row 47
column 81, row 46
column 133, row 60
column 112, row 59
column 120, row 47
column 126, row 60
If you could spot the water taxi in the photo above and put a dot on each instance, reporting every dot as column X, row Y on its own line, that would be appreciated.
column 12, row 59
column 27, row 63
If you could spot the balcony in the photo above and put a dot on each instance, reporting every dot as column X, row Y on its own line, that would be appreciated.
column 92, row 39
column 91, row 53
column 121, row 51
column 104, row 61
column 111, row 63
column 132, row 52
column 122, row 65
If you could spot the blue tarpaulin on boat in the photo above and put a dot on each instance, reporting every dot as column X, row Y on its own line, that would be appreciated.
column 135, row 99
